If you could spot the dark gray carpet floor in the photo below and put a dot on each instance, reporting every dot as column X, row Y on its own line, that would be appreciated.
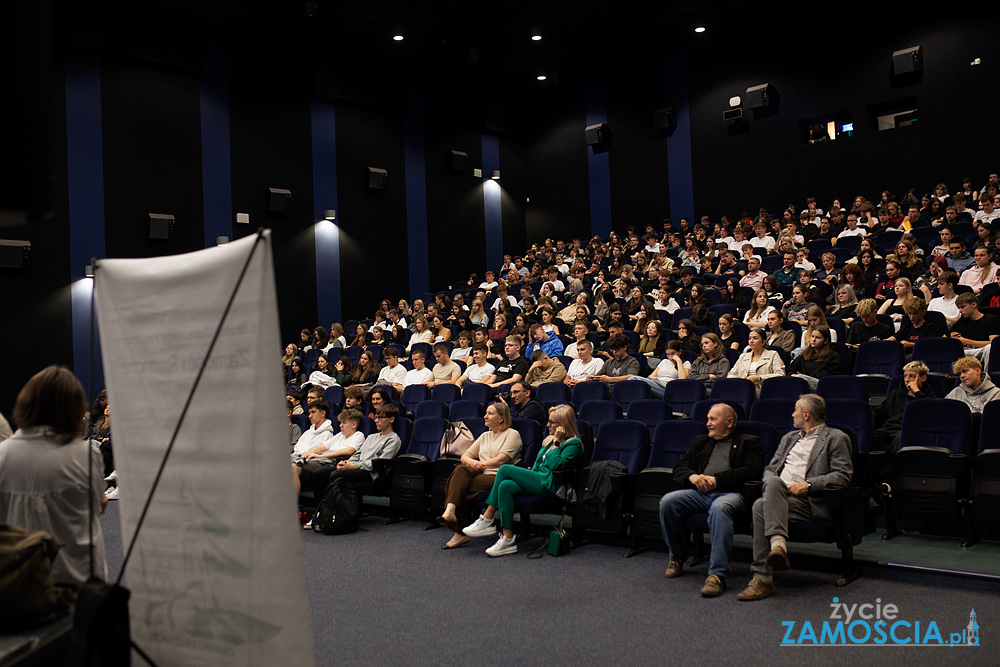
column 388, row 595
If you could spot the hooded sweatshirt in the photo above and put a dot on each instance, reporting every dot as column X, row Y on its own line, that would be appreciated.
column 976, row 400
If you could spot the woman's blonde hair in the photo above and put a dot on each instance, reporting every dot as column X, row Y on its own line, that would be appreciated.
column 565, row 416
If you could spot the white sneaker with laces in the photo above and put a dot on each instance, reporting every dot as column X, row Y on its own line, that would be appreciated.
column 113, row 477
column 481, row 527
column 308, row 525
column 112, row 493
column 504, row 546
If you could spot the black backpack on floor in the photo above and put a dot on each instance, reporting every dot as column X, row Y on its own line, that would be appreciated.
column 338, row 511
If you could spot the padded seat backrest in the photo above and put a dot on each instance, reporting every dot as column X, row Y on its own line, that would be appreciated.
column 625, row 441
column 425, row 438
column 671, row 439
column 937, row 422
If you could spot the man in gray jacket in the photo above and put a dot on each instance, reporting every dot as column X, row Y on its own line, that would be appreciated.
column 976, row 389
column 809, row 460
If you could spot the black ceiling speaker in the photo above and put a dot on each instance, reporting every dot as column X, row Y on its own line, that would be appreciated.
column 760, row 97
column 14, row 254
column 458, row 160
column 278, row 200
column 908, row 61
column 599, row 137
column 161, row 226
column 375, row 178
column 665, row 119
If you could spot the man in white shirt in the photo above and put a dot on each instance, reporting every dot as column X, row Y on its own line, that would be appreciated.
column 584, row 368
column 480, row 370
column 989, row 212
column 420, row 373
column 502, row 295
column 852, row 228
column 320, row 431
column 552, row 275
column 393, row 372
column 340, row 445
column 944, row 304
column 762, row 240
column 809, row 460
column 490, row 282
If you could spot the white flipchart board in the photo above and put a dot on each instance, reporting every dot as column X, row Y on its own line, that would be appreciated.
column 217, row 577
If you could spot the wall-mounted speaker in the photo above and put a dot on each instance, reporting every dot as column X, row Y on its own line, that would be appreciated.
column 665, row 119
column 458, row 160
column 760, row 97
column 599, row 137
column 278, row 200
column 732, row 114
column 375, row 178
column 908, row 61
column 14, row 254
column 161, row 226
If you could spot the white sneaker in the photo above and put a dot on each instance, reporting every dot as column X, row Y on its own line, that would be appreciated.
column 308, row 525
column 482, row 527
column 112, row 493
column 504, row 546
column 113, row 477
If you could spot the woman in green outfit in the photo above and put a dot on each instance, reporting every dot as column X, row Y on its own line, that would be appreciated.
column 562, row 449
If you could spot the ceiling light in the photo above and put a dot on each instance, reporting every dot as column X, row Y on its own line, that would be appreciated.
column 397, row 38
column 540, row 77
column 536, row 38
column 700, row 28
column 536, row 34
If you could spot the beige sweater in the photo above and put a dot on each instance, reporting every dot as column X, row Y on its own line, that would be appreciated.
column 555, row 373
column 489, row 444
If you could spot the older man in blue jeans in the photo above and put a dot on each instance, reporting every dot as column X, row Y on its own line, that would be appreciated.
column 713, row 472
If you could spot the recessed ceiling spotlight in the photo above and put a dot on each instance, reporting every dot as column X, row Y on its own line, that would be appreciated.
column 541, row 77
column 700, row 28
column 397, row 38
column 536, row 34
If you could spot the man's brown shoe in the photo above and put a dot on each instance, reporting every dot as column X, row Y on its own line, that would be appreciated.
column 757, row 590
column 674, row 569
column 714, row 586
column 778, row 559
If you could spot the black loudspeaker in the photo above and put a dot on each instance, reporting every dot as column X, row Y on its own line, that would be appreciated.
column 458, row 160
column 760, row 97
column 908, row 61
column 599, row 137
column 598, row 134
column 14, row 254
column 278, row 200
column 665, row 119
column 732, row 114
column 375, row 178
column 161, row 227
